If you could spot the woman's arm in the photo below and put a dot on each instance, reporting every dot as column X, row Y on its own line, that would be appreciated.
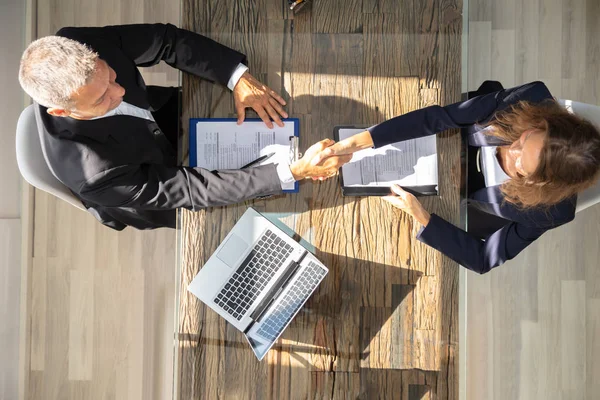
column 473, row 253
column 470, row 252
column 431, row 120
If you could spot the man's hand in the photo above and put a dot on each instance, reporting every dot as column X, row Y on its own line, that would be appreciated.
column 347, row 146
column 408, row 203
column 249, row 92
column 303, row 169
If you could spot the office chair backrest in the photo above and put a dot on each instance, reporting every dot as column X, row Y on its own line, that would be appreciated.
column 592, row 113
column 32, row 162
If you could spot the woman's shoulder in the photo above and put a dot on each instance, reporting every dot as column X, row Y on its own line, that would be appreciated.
column 547, row 217
column 534, row 92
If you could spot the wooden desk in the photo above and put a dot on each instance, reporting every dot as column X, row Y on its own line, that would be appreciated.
column 383, row 324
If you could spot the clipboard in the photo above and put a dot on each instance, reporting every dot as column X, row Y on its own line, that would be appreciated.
column 364, row 191
column 293, row 138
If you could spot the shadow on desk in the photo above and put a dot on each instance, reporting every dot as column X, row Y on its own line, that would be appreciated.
column 361, row 316
column 354, row 335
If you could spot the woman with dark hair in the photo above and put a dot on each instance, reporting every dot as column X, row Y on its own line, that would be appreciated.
column 528, row 159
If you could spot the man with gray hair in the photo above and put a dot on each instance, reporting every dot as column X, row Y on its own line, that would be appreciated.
column 110, row 138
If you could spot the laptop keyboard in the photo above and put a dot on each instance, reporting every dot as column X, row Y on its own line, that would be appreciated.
column 292, row 301
column 248, row 281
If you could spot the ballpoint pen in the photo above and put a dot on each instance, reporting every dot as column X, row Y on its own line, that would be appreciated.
column 297, row 5
column 258, row 160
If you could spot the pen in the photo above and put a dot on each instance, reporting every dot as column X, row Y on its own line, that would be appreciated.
column 258, row 160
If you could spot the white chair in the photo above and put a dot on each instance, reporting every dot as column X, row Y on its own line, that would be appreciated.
column 32, row 162
column 592, row 113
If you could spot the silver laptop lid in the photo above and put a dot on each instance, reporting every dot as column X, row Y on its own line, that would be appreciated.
column 287, row 289
column 218, row 283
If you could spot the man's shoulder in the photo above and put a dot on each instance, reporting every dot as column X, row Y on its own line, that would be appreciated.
column 79, row 34
column 72, row 157
column 67, row 31
column 96, row 38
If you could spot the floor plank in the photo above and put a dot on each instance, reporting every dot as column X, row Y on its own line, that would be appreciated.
column 101, row 301
column 520, row 340
column 573, row 335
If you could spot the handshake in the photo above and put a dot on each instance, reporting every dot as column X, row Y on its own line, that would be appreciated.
column 323, row 159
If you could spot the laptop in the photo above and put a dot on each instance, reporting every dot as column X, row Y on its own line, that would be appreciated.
column 258, row 279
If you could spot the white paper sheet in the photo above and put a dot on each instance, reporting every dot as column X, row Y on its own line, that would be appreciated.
column 227, row 145
column 408, row 163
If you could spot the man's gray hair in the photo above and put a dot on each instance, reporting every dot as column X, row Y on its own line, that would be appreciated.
column 53, row 68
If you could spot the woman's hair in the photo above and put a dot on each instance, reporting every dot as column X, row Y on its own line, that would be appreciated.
column 569, row 160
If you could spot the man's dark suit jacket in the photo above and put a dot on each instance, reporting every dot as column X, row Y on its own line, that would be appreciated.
column 117, row 166
column 507, row 230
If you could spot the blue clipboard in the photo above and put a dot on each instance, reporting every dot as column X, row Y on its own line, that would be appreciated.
column 192, row 139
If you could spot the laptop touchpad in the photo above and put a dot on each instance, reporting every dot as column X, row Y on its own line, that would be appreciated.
column 232, row 250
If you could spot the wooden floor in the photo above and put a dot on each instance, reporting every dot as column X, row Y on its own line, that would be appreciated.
column 533, row 325
column 101, row 302
column 383, row 322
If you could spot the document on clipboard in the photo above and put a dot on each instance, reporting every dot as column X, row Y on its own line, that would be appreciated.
column 220, row 143
column 411, row 164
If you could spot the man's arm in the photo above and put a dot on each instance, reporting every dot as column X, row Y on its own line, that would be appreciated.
column 158, row 187
column 148, row 44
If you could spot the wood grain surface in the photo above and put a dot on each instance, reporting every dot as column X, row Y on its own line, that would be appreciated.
column 383, row 324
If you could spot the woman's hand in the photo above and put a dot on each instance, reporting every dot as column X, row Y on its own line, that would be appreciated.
column 347, row 146
column 408, row 203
